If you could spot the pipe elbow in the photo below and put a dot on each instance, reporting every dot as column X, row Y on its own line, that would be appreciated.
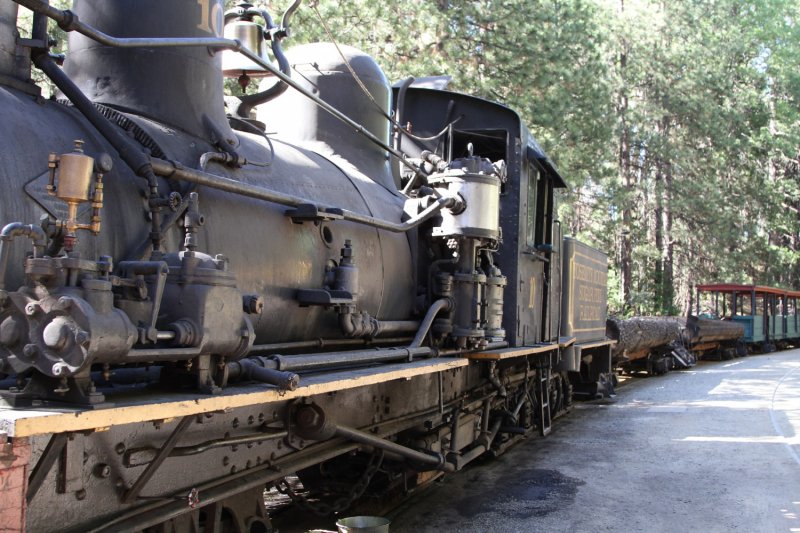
column 206, row 158
column 495, row 380
column 18, row 229
column 11, row 230
column 347, row 325
column 456, row 204
column 448, row 304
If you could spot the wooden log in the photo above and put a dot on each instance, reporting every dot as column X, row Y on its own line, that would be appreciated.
column 641, row 333
column 708, row 330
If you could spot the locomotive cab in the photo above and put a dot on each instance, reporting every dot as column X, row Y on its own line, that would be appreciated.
column 454, row 126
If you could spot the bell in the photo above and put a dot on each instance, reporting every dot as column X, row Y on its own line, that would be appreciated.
column 251, row 35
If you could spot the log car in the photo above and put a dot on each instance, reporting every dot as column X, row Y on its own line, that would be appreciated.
column 651, row 344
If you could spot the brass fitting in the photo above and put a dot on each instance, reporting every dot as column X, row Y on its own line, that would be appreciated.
column 71, row 180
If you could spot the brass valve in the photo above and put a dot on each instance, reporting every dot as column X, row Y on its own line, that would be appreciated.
column 71, row 181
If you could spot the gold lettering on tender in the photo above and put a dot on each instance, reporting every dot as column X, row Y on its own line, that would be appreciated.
column 533, row 293
column 589, row 285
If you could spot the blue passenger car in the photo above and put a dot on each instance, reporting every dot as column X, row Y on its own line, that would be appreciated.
column 769, row 315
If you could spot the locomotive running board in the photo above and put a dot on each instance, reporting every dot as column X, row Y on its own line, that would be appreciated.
column 157, row 405
column 509, row 353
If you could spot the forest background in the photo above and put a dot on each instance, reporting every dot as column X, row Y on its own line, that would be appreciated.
column 676, row 124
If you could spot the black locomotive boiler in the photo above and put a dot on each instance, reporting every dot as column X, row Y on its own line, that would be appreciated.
column 201, row 294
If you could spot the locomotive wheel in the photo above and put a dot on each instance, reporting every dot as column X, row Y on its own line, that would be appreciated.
column 567, row 392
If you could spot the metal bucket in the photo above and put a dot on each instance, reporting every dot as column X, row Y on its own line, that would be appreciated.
column 364, row 524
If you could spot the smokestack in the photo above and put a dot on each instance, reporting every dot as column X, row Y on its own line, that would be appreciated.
column 181, row 87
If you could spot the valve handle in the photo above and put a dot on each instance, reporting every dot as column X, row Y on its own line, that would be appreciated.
column 174, row 201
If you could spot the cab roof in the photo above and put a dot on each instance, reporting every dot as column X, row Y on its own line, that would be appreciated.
column 738, row 287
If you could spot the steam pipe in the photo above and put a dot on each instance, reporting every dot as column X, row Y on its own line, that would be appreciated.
column 445, row 303
column 288, row 15
column 7, row 236
column 453, row 260
column 68, row 21
column 349, row 327
column 161, row 354
column 494, row 379
column 313, row 423
column 298, row 363
column 255, row 369
column 205, row 159
column 321, row 343
column 454, row 434
column 175, row 171
column 352, row 326
column 397, row 326
column 513, row 430
column 523, row 397
column 321, row 361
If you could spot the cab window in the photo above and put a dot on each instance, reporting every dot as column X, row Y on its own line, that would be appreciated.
column 533, row 187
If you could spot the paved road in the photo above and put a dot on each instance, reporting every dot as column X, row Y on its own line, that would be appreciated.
column 715, row 448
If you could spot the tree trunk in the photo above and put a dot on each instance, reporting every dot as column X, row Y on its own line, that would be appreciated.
column 637, row 334
column 669, row 272
column 660, row 288
column 625, row 170
column 627, row 182
column 707, row 330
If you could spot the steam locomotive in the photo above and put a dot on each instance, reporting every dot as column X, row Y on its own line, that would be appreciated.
column 196, row 302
